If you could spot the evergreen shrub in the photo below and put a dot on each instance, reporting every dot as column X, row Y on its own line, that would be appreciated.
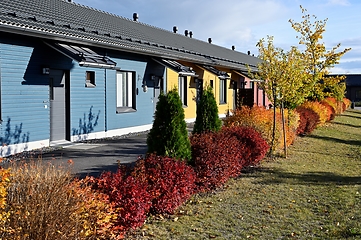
column 169, row 135
column 207, row 118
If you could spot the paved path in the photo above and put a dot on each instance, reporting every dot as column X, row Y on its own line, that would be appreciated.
column 100, row 155
column 95, row 158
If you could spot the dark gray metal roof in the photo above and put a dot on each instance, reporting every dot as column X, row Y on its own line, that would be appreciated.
column 177, row 67
column 352, row 80
column 61, row 20
column 85, row 56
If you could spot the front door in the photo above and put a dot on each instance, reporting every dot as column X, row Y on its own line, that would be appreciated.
column 158, row 88
column 235, row 95
column 57, row 105
column 199, row 89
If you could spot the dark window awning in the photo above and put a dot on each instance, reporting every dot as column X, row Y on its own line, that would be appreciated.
column 220, row 74
column 177, row 67
column 242, row 73
column 84, row 55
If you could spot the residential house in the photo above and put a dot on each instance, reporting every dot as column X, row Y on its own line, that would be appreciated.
column 69, row 72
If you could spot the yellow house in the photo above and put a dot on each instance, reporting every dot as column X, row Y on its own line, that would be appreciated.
column 190, row 87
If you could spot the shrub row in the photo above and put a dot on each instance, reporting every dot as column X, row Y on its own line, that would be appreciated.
column 313, row 113
column 43, row 201
column 261, row 119
column 219, row 156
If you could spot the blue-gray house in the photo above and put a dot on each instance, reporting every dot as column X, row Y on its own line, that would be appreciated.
column 69, row 72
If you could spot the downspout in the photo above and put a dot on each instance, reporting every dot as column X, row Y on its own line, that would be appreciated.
column 105, row 101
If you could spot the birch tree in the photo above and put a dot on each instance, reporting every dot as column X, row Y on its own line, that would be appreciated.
column 317, row 59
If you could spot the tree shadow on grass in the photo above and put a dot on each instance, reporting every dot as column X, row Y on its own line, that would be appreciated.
column 350, row 113
column 278, row 176
column 337, row 140
column 348, row 125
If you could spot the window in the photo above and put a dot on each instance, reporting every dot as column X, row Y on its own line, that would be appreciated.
column 90, row 79
column 125, row 90
column 222, row 90
column 211, row 83
column 358, row 95
column 182, row 89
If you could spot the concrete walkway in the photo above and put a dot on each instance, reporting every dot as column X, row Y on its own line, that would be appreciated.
column 100, row 155
column 94, row 158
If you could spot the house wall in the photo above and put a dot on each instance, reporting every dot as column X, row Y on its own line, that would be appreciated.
column 190, row 108
column 25, row 93
column 223, row 108
column 87, row 104
column 142, row 118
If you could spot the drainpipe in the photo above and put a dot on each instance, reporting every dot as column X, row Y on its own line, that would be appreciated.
column 105, row 101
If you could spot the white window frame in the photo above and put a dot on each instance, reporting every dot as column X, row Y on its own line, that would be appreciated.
column 183, row 89
column 125, row 91
column 222, row 91
column 90, row 79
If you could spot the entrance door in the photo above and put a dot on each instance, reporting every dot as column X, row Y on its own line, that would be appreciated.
column 57, row 105
column 235, row 95
column 199, row 89
column 158, row 88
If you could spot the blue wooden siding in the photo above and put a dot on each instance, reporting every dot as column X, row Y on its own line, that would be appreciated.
column 23, row 93
column 87, row 104
column 144, row 100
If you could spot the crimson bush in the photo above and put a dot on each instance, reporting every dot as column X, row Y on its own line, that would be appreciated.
column 254, row 147
column 309, row 120
column 170, row 182
column 219, row 156
column 129, row 197
column 214, row 156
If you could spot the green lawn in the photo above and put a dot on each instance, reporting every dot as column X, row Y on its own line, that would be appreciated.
column 313, row 194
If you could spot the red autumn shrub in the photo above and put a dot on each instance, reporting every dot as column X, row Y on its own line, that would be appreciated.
column 254, row 146
column 215, row 159
column 219, row 156
column 170, row 182
column 309, row 120
column 128, row 195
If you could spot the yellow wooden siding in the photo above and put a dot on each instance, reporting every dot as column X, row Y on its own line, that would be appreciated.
column 172, row 81
column 190, row 109
column 223, row 108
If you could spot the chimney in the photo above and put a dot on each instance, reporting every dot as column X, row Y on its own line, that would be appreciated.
column 249, row 52
column 210, row 40
column 190, row 34
column 175, row 29
column 186, row 33
column 135, row 17
column 233, row 48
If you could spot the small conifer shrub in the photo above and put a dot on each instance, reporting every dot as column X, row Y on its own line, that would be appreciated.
column 207, row 113
column 169, row 135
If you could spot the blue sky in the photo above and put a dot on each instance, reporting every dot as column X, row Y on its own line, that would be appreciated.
column 243, row 23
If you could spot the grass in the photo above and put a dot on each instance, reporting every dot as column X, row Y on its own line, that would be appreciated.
column 313, row 194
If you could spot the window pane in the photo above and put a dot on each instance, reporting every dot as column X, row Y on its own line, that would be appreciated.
column 182, row 89
column 222, row 90
column 129, row 89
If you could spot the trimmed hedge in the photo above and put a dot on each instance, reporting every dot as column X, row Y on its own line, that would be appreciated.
column 129, row 197
column 309, row 120
column 219, row 156
column 169, row 182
